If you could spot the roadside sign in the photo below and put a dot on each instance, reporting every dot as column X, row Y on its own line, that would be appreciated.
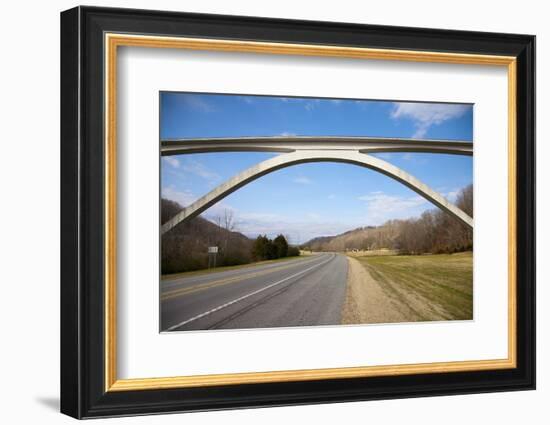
column 212, row 249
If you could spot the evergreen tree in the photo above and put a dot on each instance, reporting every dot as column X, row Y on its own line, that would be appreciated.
column 281, row 246
column 260, row 247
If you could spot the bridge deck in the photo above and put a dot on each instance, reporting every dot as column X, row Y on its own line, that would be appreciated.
column 297, row 143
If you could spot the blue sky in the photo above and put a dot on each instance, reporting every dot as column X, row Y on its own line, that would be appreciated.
column 309, row 200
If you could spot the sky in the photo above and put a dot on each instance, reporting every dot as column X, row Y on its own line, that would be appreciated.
column 317, row 199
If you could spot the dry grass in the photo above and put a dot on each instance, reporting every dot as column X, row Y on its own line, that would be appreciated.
column 420, row 288
column 371, row 253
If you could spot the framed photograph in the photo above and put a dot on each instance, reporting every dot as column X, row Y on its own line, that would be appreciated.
column 261, row 212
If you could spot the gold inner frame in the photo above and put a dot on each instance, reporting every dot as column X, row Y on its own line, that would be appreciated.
column 113, row 41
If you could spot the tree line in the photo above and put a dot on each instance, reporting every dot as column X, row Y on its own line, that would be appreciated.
column 265, row 248
column 433, row 232
column 438, row 232
column 185, row 247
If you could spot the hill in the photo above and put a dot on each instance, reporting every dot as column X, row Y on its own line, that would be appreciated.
column 433, row 232
column 368, row 237
column 185, row 247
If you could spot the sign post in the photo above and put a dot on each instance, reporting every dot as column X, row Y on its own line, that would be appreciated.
column 212, row 253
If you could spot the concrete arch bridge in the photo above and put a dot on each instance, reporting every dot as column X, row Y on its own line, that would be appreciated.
column 305, row 149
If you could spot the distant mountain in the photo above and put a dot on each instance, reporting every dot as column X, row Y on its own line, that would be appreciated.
column 368, row 237
column 185, row 247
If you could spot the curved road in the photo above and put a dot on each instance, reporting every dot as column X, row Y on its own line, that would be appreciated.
column 301, row 292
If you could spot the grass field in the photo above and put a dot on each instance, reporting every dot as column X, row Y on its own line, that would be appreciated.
column 425, row 287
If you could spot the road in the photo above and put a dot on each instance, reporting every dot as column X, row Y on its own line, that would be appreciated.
column 301, row 292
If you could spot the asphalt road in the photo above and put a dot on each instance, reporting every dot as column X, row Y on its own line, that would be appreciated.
column 302, row 292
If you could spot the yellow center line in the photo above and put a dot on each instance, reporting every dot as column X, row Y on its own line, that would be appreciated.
column 201, row 287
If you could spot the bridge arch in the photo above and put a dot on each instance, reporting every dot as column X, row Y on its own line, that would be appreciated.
column 304, row 156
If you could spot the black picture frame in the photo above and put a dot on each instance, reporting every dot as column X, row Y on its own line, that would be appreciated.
column 83, row 392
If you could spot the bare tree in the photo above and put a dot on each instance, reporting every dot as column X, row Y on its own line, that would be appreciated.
column 226, row 226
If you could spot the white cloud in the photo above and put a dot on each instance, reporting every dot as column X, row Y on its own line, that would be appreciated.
column 287, row 134
column 416, row 158
column 382, row 207
column 308, row 103
column 305, row 226
column 218, row 210
column 199, row 169
column 170, row 160
column 452, row 195
column 311, row 104
column 247, row 99
column 184, row 198
column 198, row 103
column 255, row 216
column 385, row 155
column 302, row 180
column 299, row 229
column 426, row 115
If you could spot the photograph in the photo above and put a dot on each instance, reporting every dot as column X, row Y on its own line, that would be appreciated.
column 283, row 212
column 279, row 210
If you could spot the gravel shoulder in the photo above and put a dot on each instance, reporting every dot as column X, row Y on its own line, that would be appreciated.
column 366, row 301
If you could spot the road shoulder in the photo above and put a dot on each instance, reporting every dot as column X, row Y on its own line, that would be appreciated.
column 366, row 301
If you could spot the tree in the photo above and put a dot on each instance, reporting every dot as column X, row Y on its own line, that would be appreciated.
column 260, row 247
column 226, row 222
column 281, row 246
column 465, row 200
column 293, row 251
column 267, row 249
column 271, row 250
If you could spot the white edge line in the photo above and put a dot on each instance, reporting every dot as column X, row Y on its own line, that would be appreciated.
column 207, row 313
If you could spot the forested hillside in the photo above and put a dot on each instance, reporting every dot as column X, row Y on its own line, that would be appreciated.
column 434, row 232
column 185, row 247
